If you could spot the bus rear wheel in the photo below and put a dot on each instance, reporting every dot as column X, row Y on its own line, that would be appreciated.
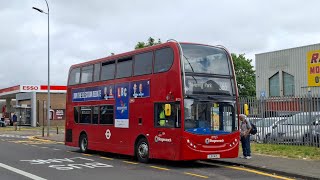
column 83, row 143
column 142, row 150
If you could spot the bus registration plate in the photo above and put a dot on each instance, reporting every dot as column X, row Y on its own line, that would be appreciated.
column 213, row 156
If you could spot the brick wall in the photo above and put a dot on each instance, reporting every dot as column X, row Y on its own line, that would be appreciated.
column 58, row 101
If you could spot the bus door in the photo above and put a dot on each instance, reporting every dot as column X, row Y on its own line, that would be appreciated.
column 167, row 130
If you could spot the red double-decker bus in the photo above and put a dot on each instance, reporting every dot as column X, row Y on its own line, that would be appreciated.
column 173, row 101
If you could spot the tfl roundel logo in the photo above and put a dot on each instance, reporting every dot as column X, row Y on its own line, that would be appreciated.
column 207, row 141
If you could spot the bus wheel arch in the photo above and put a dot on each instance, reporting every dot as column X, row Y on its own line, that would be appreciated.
column 83, row 142
column 142, row 149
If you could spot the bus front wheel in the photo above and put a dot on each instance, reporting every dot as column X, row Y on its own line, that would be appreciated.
column 142, row 150
column 83, row 143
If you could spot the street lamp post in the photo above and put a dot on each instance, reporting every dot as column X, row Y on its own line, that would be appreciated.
column 48, row 102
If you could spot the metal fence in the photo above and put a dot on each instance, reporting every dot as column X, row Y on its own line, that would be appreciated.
column 286, row 120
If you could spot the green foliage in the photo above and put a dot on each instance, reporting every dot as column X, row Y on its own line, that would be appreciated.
column 151, row 42
column 245, row 74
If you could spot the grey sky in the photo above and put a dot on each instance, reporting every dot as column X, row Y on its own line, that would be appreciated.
column 86, row 30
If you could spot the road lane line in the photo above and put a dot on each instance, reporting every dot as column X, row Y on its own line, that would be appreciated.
column 87, row 154
column 259, row 172
column 197, row 175
column 44, row 147
column 106, row 158
column 130, row 162
column 18, row 171
column 160, row 168
column 56, row 149
column 248, row 170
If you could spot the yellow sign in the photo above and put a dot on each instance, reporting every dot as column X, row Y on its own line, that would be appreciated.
column 313, row 65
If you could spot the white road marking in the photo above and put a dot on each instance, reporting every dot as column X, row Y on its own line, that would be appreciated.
column 18, row 171
column 14, row 136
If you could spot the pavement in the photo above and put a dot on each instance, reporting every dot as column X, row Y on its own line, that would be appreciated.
column 298, row 168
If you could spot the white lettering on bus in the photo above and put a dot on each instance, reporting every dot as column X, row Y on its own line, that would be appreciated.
column 87, row 94
column 200, row 85
column 207, row 141
column 160, row 139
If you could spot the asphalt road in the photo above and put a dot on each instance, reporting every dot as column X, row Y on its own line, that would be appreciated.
column 23, row 157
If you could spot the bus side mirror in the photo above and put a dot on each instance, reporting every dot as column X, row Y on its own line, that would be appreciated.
column 167, row 110
column 246, row 109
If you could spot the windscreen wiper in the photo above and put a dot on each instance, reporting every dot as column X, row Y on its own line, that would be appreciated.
column 191, row 97
column 190, row 67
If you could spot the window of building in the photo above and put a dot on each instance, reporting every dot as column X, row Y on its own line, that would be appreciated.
column 86, row 74
column 96, row 75
column 124, row 67
column 107, row 70
column 161, row 120
column 163, row 60
column 74, row 76
column 85, row 114
column 95, row 115
column 106, row 114
column 274, row 86
column 288, row 84
column 143, row 63
column 76, row 114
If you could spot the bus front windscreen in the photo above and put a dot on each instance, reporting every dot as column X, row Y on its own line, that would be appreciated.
column 209, row 117
column 205, row 59
column 208, row 71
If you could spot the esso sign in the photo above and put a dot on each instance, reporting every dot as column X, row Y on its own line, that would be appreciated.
column 30, row 88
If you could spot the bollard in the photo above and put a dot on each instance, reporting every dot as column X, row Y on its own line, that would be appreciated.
column 42, row 131
column 57, row 130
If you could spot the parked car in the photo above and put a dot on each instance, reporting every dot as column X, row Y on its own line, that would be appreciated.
column 265, row 127
column 302, row 128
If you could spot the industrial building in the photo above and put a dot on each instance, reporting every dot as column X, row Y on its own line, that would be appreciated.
column 293, row 72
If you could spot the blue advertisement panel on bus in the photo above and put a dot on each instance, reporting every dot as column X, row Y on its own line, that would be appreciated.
column 122, row 105
column 140, row 89
column 93, row 93
column 121, row 93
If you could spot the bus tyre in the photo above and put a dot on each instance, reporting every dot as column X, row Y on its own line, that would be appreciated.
column 142, row 150
column 83, row 143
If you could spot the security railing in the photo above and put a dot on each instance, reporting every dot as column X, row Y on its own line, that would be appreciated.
column 285, row 120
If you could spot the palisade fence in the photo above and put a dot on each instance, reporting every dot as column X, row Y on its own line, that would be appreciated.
column 285, row 120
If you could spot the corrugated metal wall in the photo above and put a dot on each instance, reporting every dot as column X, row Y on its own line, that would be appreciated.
column 292, row 61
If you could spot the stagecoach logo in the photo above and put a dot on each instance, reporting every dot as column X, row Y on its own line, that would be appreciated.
column 108, row 134
column 160, row 139
column 208, row 140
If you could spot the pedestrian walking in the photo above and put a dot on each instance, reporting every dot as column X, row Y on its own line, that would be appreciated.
column 14, row 120
column 245, row 128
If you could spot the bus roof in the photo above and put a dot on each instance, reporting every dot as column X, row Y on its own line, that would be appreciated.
column 126, row 54
column 137, row 51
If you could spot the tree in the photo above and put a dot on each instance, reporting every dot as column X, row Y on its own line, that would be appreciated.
column 151, row 42
column 245, row 74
